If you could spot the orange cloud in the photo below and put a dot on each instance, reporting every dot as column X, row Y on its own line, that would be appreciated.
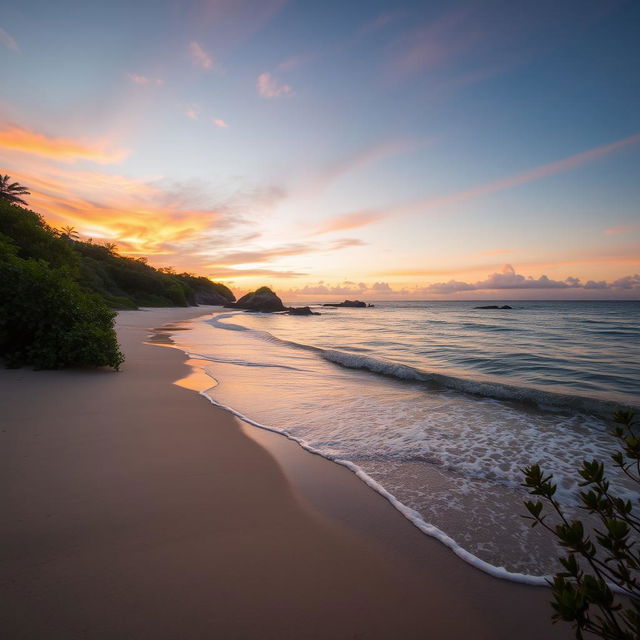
column 14, row 138
column 219, row 122
column 142, row 217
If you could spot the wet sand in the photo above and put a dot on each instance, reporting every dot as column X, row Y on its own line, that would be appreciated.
column 133, row 508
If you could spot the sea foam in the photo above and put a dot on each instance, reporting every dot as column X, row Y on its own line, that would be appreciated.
column 445, row 450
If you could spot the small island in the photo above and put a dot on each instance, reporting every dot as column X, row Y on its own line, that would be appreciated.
column 494, row 306
column 347, row 303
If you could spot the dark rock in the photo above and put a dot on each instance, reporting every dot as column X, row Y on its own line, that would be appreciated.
column 263, row 299
column 494, row 306
column 346, row 303
column 302, row 311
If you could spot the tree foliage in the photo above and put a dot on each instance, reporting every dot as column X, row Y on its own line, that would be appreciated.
column 12, row 191
column 56, row 292
column 123, row 282
column 47, row 320
column 598, row 590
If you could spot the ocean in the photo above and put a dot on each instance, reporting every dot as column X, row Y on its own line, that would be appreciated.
column 439, row 405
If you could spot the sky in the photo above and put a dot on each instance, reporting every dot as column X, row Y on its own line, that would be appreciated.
column 379, row 150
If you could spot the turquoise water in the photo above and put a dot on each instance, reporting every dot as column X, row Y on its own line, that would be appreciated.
column 439, row 405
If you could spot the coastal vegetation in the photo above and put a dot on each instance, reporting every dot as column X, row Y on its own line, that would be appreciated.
column 57, row 291
column 12, row 191
column 598, row 590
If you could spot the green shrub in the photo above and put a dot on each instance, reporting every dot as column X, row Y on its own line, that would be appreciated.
column 47, row 320
column 588, row 591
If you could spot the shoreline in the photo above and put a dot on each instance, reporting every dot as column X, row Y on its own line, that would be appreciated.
column 283, row 456
column 134, row 508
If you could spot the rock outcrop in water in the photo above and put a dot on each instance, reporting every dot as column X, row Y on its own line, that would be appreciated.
column 494, row 306
column 302, row 311
column 266, row 301
column 346, row 303
column 262, row 299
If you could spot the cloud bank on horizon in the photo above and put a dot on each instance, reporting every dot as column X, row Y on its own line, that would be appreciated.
column 369, row 150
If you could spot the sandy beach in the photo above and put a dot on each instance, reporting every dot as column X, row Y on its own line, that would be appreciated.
column 133, row 508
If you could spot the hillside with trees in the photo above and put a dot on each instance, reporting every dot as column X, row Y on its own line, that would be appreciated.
column 57, row 292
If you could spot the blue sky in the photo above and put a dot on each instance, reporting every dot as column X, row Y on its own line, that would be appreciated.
column 306, row 144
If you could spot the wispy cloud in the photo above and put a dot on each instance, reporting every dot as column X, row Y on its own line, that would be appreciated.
column 377, row 24
column 192, row 111
column 14, row 138
column 435, row 44
column 262, row 255
column 496, row 252
column 310, row 186
column 531, row 175
column 473, row 41
column 8, row 41
column 230, row 23
column 621, row 229
column 347, row 243
column 293, row 62
column 340, row 46
column 139, row 79
column 543, row 171
column 376, row 152
column 226, row 273
column 257, row 256
column 270, row 87
column 219, row 122
column 620, row 255
column 348, row 221
column 200, row 57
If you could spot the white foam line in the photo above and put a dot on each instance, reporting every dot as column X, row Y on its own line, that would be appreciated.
column 411, row 515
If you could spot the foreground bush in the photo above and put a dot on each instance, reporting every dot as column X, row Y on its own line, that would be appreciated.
column 587, row 593
column 47, row 320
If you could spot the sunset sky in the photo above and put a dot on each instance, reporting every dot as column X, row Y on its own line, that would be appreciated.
column 380, row 150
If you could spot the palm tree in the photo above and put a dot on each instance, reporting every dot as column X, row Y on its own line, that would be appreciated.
column 12, row 191
column 69, row 233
